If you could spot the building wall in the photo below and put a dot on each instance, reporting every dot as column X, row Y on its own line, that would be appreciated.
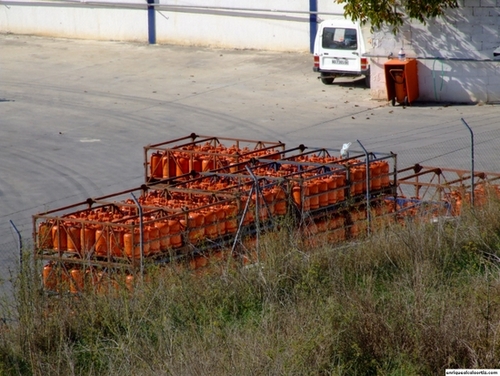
column 454, row 53
column 251, row 24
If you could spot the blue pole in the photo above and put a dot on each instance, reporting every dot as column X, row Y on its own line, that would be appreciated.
column 151, row 23
column 313, row 23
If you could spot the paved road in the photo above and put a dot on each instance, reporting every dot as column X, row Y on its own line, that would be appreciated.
column 75, row 115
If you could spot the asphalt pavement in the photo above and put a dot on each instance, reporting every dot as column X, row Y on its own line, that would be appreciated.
column 75, row 115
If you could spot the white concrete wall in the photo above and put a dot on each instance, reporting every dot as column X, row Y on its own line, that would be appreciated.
column 75, row 22
column 285, row 26
column 249, row 24
column 452, row 53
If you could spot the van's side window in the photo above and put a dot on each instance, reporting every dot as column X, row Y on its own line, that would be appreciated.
column 340, row 38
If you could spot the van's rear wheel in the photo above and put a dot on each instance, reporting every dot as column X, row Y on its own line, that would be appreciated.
column 327, row 80
column 367, row 81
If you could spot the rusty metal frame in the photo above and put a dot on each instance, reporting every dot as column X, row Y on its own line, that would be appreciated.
column 170, row 149
column 437, row 183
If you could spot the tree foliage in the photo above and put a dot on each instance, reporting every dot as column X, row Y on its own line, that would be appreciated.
column 393, row 12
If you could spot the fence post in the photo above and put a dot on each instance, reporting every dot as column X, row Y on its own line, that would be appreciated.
column 471, row 162
column 368, row 214
column 141, row 234
column 19, row 244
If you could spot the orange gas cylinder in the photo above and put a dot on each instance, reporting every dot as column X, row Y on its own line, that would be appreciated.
column 269, row 197
column 221, row 220
column 247, row 219
column 132, row 243
column 101, row 241
column 332, row 193
column 194, row 226
column 59, row 237
column 322, row 225
column 128, row 244
column 263, row 212
column 154, row 239
column 233, row 166
column 104, row 283
column 355, row 181
column 334, row 222
column 336, row 229
column 313, row 194
column 354, row 230
column 73, row 241
column 384, row 171
column 164, row 231
column 50, row 278
column 129, row 282
column 323, row 192
column 168, row 166
column 362, row 179
column 87, row 240
column 146, row 245
column 306, row 203
column 175, row 233
column 217, row 256
column 341, row 187
column 116, row 242
column 182, row 165
column 45, row 236
column 156, row 165
column 375, row 176
column 250, row 243
column 280, row 206
column 201, row 261
column 390, row 206
column 207, row 163
column 249, row 258
column 194, row 163
column 211, row 223
column 297, row 195
column 231, row 218
column 456, row 203
column 480, row 195
column 76, row 280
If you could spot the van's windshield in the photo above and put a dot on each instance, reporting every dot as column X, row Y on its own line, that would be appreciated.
column 340, row 38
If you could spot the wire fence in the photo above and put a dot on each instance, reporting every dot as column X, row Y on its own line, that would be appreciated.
column 446, row 145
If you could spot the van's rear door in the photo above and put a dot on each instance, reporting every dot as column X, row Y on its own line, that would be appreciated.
column 340, row 48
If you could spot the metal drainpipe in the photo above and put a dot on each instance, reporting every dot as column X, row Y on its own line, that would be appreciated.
column 141, row 234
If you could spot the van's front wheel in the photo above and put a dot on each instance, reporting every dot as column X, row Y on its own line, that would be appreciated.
column 327, row 80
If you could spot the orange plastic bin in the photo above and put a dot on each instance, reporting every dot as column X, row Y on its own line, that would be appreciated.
column 401, row 81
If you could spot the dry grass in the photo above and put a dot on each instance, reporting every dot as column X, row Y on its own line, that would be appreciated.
column 409, row 300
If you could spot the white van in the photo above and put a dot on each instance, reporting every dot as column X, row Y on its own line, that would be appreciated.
column 338, row 50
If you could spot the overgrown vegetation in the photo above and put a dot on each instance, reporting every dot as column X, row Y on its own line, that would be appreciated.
column 410, row 300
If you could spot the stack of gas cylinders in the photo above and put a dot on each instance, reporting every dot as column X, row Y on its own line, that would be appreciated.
column 202, row 200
